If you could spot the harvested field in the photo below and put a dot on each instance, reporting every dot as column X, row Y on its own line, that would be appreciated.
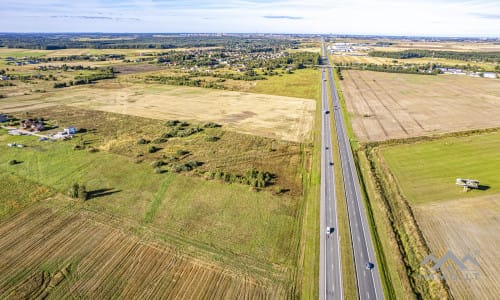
column 389, row 106
column 279, row 117
column 465, row 226
column 56, row 254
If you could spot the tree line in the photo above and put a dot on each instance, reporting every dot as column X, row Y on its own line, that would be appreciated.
column 493, row 57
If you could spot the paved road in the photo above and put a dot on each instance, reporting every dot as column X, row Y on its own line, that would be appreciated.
column 330, row 266
column 368, row 281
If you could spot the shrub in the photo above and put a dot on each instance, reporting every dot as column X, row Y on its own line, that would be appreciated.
column 82, row 193
column 13, row 162
column 170, row 134
column 182, row 152
column 141, row 141
column 152, row 149
column 73, row 192
column 172, row 123
column 159, row 140
column 157, row 164
column 211, row 125
column 158, row 170
column 212, row 138
column 93, row 150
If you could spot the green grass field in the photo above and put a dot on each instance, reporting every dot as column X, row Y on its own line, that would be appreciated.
column 301, row 84
column 427, row 171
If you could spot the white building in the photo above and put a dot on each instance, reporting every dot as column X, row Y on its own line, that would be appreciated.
column 489, row 75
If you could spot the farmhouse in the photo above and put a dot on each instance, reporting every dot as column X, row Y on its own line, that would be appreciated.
column 33, row 124
column 3, row 77
column 489, row 75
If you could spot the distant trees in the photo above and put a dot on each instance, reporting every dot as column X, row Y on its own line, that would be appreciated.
column 493, row 57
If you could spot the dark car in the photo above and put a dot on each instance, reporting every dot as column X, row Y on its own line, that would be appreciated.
column 369, row 265
column 327, row 112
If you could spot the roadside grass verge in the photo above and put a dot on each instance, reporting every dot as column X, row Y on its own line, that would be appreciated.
column 311, row 178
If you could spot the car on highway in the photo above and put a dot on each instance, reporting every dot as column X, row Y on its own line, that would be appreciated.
column 329, row 230
column 327, row 112
column 331, row 163
column 369, row 265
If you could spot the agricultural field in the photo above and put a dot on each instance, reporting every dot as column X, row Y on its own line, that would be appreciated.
column 271, row 116
column 386, row 106
column 63, row 252
column 243, row 240
column 448, row 217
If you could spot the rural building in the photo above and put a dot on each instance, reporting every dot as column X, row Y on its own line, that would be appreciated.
column 3, row 77
column 341, row 47
column 33, row 124
column 489, row 75
column 70, row 130
column 3, row 118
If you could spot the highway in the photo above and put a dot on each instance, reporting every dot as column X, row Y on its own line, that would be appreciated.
column 330, row 265
column 367, row 280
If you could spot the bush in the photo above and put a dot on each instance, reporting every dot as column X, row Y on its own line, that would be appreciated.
column 13, row 162
column 182, row 152
column 152, row 149
column 212, row 138
column 73, row 192
column 82, row 193
column 157, row 164
column 158, row 170
column 141, row 141
column 211, row 125
column 159, row 140
column 172, row 123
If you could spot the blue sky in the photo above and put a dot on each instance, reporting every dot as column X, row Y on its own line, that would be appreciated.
column 391, row 17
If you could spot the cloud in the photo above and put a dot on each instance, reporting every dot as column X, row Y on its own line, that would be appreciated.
column 486, row 16
column 95, row 18
column 283, row 17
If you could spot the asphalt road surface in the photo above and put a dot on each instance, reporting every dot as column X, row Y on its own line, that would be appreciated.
column 368, row 280
column 330, row 264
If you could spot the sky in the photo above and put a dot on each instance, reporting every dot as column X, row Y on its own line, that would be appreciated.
column 477, row 18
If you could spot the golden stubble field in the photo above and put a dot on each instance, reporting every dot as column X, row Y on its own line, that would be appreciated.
column 465, row 226
column 286, row 118
column 386, row 106
column 60, row 254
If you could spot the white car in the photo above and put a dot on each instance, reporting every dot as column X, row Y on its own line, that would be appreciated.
column 329, row 230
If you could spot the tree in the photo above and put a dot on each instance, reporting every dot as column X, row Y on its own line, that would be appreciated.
column 82, row 192
column 73, row 192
